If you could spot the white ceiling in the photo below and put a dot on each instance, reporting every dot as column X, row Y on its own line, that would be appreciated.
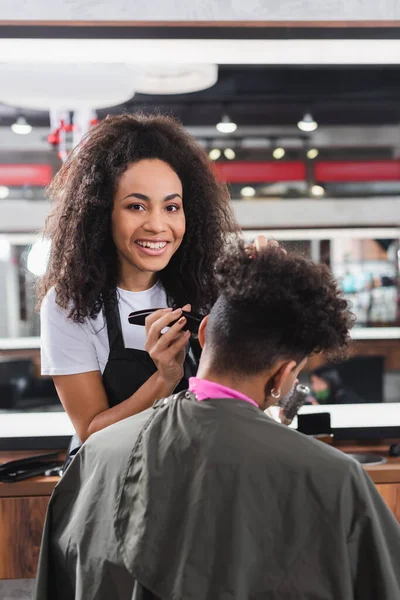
column 200, row 10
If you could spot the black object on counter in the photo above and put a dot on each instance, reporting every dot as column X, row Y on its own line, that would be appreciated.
column 17, row 470
column 394, row 450
column 314, row 424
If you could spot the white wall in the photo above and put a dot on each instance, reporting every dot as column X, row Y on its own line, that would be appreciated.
column 318, row 213
column 19, row 216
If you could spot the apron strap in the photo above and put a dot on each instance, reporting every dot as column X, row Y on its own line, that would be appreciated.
column 114, row 328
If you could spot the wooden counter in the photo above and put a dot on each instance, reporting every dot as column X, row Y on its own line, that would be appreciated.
column 386, row 477
column 23, row 508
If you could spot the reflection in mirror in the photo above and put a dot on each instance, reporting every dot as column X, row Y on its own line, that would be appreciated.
column 369, row 273
column 337, row 167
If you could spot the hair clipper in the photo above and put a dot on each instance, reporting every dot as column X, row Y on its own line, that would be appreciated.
column 291, row 403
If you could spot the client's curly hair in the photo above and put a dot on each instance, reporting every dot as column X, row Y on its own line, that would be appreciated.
column 83, row 265
column 272, row 305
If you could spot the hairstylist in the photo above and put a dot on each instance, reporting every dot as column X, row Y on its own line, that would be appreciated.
column 139, row 222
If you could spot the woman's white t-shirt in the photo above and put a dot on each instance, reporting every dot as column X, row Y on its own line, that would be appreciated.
column 68, row 348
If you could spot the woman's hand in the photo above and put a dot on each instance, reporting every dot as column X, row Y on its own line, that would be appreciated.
column 262, row 242
column 284, row 420
column 167, row 350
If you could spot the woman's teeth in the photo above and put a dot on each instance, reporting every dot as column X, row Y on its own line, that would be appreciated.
column 152, row 245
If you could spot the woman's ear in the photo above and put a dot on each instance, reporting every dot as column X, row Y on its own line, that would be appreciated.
column 202, row 332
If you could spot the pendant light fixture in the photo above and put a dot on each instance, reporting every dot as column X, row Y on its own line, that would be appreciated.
column 226, row 125
column 307, row 123
column 21, row 126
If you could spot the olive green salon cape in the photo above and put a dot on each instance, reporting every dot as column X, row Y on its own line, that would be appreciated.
column 214, row 500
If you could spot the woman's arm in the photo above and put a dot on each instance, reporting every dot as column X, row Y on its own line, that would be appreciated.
column 83, row 395
column 85, row 401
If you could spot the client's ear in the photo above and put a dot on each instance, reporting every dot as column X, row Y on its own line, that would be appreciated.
column 282, row 380
column 202, row 332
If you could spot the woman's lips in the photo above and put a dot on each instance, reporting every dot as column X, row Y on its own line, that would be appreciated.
column 152, row 248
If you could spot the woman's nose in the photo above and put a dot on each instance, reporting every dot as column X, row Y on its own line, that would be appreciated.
column 155, row 221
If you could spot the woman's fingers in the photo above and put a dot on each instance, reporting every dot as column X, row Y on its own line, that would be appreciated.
column 178, row 345
column 158, row 321
column 168, row 338
column 167, row 353
column 283, row 419
column 155, row 316
column 262, row 242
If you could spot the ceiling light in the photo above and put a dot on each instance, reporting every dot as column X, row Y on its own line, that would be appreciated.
column 226, row 125
column 248, row 192
column 21, row 126
column 307, row 123
column 214, row 154
column 4, row 191
column 312, row 153
column 317, row 190
column 229, row 153
column 70, row 87
column 278, row 153
column 174, row 79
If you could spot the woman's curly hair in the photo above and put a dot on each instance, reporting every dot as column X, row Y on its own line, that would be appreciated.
column 272, row 305
column 83, row 265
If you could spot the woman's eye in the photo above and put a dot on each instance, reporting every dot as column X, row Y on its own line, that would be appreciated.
column 135, row 207
column 172, row 208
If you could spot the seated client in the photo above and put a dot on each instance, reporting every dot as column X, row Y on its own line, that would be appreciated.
column 203, row 496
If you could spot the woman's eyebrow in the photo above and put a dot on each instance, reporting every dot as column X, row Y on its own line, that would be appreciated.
column 146, row 198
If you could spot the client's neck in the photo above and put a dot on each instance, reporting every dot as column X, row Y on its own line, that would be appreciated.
column 248, row 386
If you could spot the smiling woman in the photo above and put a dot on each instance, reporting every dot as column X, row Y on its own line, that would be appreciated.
column 139, row 222
column 148, row 225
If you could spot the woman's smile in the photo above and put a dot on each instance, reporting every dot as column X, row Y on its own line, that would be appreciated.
column 152, row 247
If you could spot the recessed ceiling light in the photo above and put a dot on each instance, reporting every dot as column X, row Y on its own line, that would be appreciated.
column 229, row 153
column 248, row 192
column 307, row 123
column 312, row 153
column 317, row 190
column 278, row 153
column 214, row 154
column 226, row 125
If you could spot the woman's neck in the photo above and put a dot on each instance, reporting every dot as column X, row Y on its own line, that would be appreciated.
column 134, row 280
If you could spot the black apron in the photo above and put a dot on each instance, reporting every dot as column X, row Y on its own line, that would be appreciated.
column 127, row 369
